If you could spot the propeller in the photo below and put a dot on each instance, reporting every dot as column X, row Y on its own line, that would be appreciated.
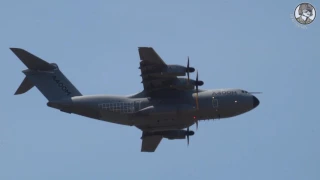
column 197, row 83
column 188, row 136
column 197, row 89
column 188, row 70
column 195, row 119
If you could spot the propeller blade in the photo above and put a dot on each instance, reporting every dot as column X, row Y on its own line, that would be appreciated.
column 188, row 136
column 197, row 124
column 197, row 101
column 188, row 70
column 197, row 76
column 197, row 96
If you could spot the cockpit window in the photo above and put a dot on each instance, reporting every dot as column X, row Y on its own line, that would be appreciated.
column 245, row 92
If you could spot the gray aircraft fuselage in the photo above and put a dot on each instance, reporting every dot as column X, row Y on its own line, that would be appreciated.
column 167, row 105
column 176, row 111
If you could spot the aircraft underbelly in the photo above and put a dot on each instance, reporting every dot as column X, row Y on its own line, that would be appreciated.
column 113, row 117
column 163, row 122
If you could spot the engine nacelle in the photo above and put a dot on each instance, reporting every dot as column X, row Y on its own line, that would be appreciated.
column 178, row 134
column 178, row 68
column 179, row 83
column 171, row 134
column 182, row 83
column 169, row 70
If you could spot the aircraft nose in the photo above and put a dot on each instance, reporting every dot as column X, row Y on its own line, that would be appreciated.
column 256, row 102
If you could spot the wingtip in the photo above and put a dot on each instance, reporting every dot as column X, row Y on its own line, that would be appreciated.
column 15, row 49
column 17, row 92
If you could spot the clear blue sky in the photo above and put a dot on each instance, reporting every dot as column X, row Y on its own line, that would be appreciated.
column 234, row 44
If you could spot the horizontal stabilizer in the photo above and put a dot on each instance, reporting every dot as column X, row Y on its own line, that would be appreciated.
column 31, row 61
column 25, row 86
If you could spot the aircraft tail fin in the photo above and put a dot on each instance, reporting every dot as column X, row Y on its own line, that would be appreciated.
column 24, row 87
column 47, row 77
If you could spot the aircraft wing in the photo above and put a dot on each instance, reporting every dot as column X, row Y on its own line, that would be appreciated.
column 150, row 143
column 149, row 56
column 151, row 66
column 157, row 75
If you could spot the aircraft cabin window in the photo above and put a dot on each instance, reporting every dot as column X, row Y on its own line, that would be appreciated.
column 122, row 107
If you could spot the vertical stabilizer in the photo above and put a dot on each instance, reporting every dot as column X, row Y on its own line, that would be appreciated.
column 47, row 77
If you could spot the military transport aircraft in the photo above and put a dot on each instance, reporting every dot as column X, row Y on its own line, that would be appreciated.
column 166, row 106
